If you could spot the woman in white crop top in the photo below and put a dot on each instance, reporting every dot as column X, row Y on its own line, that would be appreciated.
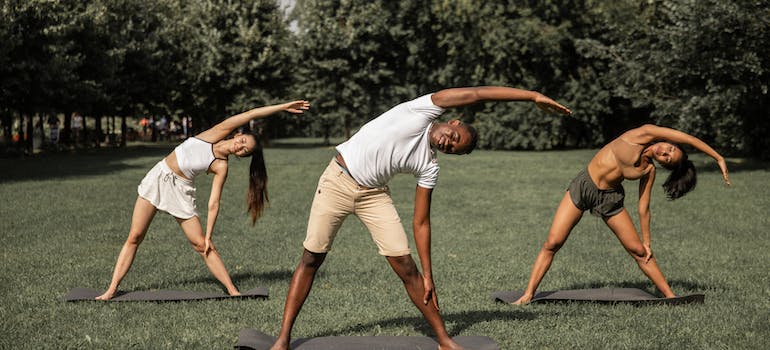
column 169, row 187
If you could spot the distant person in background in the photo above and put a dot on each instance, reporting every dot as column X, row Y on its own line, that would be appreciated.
column 145, row 123
column 77, row 127
column 404, row 139
column 598, row 188
column 186, row 126
column 169, row 187
column 162, row 126
column 53, row 124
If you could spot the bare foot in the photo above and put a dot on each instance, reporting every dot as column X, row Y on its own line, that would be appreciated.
column 106, row 296
column 451, row 345
column 525, row 299
column 280, row 345
column 235, row 294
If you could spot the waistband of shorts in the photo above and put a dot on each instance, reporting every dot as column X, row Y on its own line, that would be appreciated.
column 603, row 190
column 167, row 170
column 350, row 177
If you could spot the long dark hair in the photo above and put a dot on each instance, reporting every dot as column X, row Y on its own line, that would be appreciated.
column 256, row 197
column 682, row 178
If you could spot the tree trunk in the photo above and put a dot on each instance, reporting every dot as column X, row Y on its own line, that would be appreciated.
column 29, row 135
column 66, row 131
column 123, row 131
column 98, row 132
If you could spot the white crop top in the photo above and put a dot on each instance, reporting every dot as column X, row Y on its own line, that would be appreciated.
column 194, row 156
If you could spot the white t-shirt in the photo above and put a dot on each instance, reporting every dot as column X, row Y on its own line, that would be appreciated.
column 395, row 142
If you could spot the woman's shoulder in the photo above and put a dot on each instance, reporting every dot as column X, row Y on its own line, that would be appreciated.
column 218, row 166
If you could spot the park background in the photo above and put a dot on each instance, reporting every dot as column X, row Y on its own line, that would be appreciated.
column 698, row 66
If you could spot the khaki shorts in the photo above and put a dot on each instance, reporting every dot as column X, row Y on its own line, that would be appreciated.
column 337, row 196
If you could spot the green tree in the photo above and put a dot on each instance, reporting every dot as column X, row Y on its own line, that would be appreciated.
column 38, row 64
column 232, row 56
column 361, row 58
column 698, row 66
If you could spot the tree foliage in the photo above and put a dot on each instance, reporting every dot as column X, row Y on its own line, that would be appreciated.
column 698, row 66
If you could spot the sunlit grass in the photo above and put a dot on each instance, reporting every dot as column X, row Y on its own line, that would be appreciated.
column 64, row 218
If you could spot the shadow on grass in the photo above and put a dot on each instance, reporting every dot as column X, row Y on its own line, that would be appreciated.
column 80, row 163
column 456, row 322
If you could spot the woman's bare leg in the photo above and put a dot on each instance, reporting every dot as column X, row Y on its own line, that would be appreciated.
column 143, row 214
column 194, row 233
column 624, row 229
column 566, row 217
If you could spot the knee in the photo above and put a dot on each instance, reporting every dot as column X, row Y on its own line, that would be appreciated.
column 638, row 253
column 312, row 260
column 552, row 246
column 404, row 266
column 199, row 247
column 135, row 238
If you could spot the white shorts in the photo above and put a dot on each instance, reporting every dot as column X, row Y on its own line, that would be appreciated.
column 168, row 192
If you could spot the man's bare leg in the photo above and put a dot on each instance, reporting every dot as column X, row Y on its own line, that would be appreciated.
column 406, row 269
column 299, row 289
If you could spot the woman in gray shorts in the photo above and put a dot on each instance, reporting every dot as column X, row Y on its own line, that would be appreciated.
column 598, row 189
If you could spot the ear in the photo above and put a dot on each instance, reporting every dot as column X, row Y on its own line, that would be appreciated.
column 455, row 122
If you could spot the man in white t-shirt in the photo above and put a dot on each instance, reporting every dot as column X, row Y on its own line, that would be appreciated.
column 402, row 140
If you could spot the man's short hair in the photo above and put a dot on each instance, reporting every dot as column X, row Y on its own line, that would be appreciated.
column 474, row 137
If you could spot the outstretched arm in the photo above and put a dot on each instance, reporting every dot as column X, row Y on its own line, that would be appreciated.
column 421, row 228
column 219, row 168
column 458, row 97
column 227, row 126
column 645, row 190
column 650, row 133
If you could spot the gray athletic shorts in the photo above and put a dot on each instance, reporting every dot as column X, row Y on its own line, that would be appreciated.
column 586, row 196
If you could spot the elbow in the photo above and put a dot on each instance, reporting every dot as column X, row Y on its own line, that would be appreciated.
column 648, row 128
column 456, row 97
column 472, row 95
column 420, row 226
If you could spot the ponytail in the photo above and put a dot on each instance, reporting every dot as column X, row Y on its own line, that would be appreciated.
column 682, row 178
column 256, row 197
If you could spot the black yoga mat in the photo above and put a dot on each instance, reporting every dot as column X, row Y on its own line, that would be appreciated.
column 251, row 339
column 160, row 295
column 599, row 295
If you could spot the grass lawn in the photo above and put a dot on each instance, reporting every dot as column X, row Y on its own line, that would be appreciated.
column 63, row 219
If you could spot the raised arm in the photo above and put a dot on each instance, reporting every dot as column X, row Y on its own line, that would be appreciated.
column 458, row 97
column 650, row 133
column 227, row 126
